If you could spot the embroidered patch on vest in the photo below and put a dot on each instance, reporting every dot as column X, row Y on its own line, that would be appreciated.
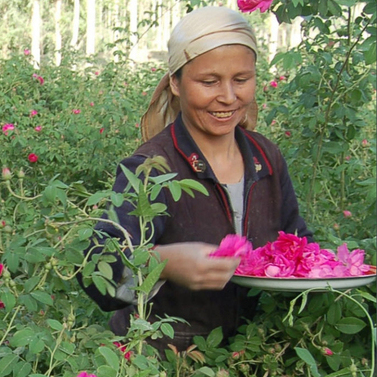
column 198, row 165
column 258, row 166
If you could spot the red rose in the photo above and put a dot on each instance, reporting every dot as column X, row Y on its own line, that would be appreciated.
column 32, row 157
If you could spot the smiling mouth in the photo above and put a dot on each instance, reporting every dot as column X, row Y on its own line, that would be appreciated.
column 222, row 114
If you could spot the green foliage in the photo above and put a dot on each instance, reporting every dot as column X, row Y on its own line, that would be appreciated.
column 322, row 115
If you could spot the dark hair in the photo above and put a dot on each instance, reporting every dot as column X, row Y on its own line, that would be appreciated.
column 178, row 73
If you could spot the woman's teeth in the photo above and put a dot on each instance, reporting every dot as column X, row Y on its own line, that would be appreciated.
column 223, row 114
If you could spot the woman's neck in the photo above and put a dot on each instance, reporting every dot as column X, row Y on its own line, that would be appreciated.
column 224, row 157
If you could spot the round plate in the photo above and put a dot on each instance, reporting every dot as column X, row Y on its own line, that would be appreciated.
column 300, row 284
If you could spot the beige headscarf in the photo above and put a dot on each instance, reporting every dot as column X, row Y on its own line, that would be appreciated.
column 198, row 32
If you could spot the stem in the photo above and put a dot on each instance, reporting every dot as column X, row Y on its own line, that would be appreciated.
column 58, row 341
column 7, row 184
column 373, row 358
column 10, row 325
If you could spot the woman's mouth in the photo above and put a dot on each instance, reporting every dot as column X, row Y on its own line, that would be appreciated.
column 222, row 114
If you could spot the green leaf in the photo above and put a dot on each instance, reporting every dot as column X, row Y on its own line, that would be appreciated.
column 54, row 324
column 306, row 356
column 117, row 199
column 215, row 337
column 105, row 270
column 152, row 278
column 162, row 178
column 112, row 359
column 31, row 283
column 100, row 283
column 42, row 297
column 36, row 345
column 368, row 296
column 334, row 313
column 29, row 302
column 106, row 371
column 132, row 178
column 22, row 337
column 194, row 185
column 9, row 301
column 370, row 54
column 206, row 371
column 350, row 325
column 175, row 190
column 97, row 197
column 85, row 233
column 6, row 364
column 158, row 208
column 167, row 330
column 22, row 369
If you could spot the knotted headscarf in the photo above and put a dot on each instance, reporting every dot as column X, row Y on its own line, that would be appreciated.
column 200, row 31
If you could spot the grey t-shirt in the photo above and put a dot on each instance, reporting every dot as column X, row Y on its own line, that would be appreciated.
column 235, row 191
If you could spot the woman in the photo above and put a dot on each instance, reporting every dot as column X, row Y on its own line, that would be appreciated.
column 211, row 85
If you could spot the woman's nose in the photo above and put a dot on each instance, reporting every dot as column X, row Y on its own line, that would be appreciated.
column 227, row 93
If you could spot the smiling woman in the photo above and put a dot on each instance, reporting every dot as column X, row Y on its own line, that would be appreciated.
column 204, row 109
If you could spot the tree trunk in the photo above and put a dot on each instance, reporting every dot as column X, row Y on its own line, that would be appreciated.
column 274, row 34
column 36, row 33
column 91, row 27
column 133, row 29
column 76, row 23
column 116, row 24
column 58, row 36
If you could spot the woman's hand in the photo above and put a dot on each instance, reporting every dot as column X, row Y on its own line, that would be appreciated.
column 189, row 265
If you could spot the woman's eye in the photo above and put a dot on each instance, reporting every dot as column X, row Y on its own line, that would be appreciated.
column 208, row 82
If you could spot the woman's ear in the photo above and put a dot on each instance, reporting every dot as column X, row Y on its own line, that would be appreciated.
column 174, row 85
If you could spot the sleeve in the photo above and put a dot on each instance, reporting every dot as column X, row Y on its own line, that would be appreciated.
column 122, row 276
column 291, row 221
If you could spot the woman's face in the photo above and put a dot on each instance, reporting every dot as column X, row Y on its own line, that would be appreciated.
column 215, row 89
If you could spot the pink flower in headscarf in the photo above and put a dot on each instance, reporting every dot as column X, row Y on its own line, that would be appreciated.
column 252, row 5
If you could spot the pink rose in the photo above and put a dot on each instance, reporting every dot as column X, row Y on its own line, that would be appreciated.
column 33, row 113
column 1, row 268
column 274, row 84
column 252, row 5
column 101, row 130
column 7, row 127
column 6, row 175
column 347, row 213
column 91, row 104
column 86, row 374
column 76, row 111
column 26, row 52
column 33, row 157
column 327, row 351
column 38, row 128
column 39, row 78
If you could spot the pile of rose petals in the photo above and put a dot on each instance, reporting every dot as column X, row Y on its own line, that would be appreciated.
column 292, row 257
